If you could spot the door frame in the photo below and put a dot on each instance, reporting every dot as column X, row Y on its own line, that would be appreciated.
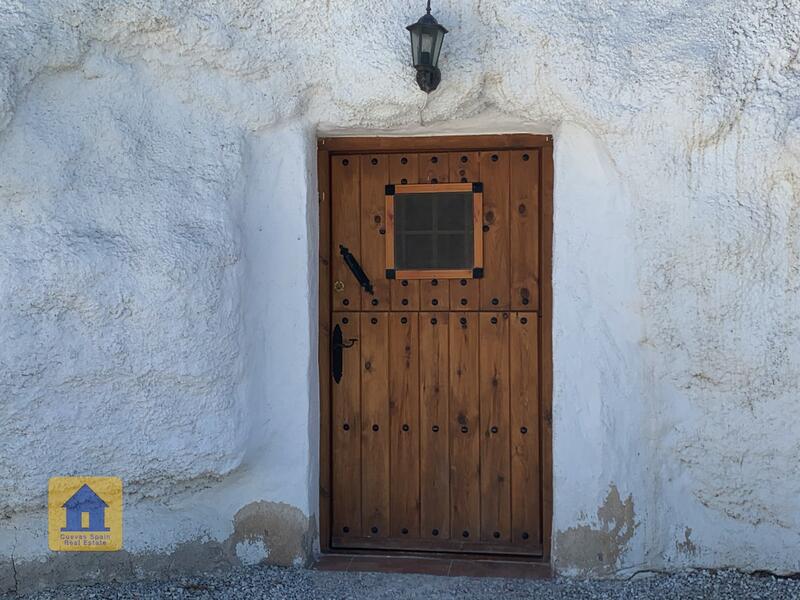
column 331, row 146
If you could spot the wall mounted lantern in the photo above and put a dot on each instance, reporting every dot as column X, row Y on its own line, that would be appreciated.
column 426, row 44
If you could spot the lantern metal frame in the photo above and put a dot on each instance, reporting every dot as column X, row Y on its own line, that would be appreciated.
column 428, row 74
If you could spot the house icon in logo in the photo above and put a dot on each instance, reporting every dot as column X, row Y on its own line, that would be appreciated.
column 85, row 502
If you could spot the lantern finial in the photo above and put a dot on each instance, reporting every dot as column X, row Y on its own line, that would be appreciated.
column 429, row 6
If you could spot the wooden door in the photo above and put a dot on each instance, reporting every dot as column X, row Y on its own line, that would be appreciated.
column 436, row 426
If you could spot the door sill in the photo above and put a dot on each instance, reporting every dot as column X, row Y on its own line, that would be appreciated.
column 442, row 565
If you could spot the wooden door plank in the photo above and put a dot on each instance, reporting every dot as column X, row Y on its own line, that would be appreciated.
column 404, row 423
column 404, row 168
column 346, row 229
column 464, row 167
column 465, row 515
column 495, row 284
column 495, row 444
column 524, row 227
column 324, row 352
column 464, row 294
column 546, row 340
column 375, row 430
column 525, row 458
column 434, row 294
column 346, row 428
column 434, row 167
column 434, row 426
column 374, row 177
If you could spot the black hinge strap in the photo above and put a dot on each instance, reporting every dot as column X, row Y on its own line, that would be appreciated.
column 356, row 269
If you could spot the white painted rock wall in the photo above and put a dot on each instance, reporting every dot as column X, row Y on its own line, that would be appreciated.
column 157, row 254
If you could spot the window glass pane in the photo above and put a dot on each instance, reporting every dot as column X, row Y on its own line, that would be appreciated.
column 415, row 211
column 417, row 250
column 454, row 251
column 454, row 213
column 433, row 231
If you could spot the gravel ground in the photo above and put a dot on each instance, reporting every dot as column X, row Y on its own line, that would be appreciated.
column 272, row 582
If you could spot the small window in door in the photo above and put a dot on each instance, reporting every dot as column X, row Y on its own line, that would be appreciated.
column 434, row 231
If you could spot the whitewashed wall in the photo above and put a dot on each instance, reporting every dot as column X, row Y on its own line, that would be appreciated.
column 158, row 258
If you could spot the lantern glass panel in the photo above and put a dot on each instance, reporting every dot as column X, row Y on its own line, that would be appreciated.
column 416, row 43
column 436, row 44
column 426, row 44
column 426, row 47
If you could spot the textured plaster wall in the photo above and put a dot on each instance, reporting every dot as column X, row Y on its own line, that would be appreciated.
column 157, row 258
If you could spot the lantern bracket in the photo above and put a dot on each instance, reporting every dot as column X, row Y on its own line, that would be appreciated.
column 428, row 78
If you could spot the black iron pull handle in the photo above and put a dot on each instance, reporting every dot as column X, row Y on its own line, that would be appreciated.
column 337, row 345
column 356, row 269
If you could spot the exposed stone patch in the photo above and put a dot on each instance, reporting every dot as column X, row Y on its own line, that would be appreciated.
column 593, row 550
column 687, row 545
column 277, row 531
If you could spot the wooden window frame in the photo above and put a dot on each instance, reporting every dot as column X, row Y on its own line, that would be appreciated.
column 476, row 270
column 328, row 147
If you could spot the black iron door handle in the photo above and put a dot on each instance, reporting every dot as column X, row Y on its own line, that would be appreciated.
column 356, row 269
column 337, row 345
